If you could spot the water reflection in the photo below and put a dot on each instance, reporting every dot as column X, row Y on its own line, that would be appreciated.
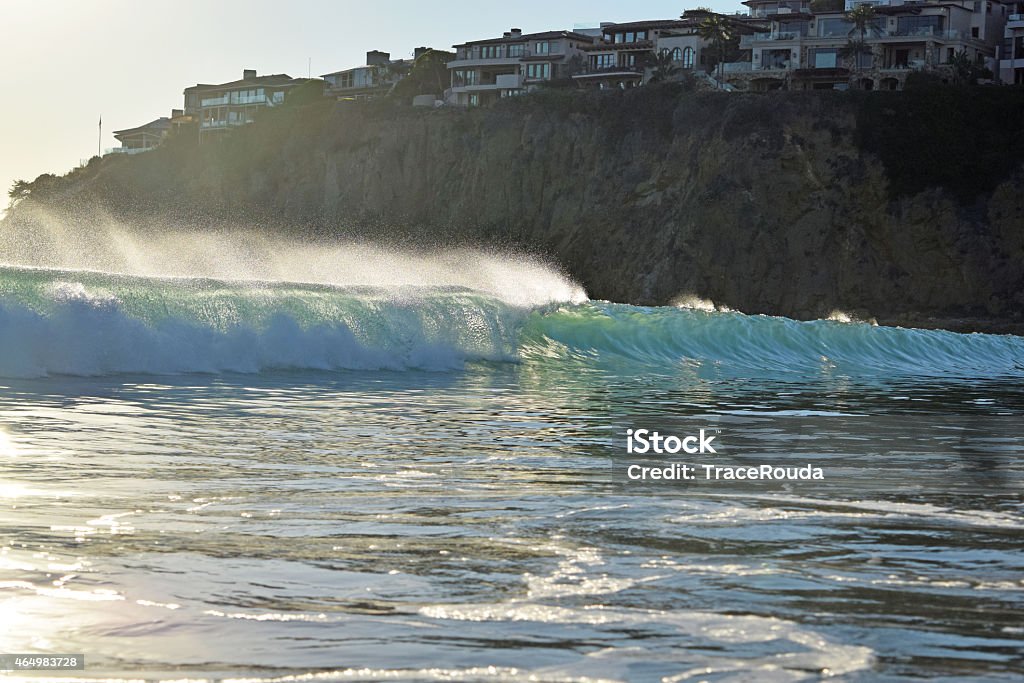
column 287, row 523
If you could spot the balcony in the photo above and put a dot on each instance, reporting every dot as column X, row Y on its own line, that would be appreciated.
column 621, row 72
column 736, row 67
column 747, row 41
column 220, row 123
column 509, row 81
column 214, row 101
column 128, row 150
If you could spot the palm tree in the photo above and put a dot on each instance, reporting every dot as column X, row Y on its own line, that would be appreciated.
column 862, row 17
column 853, row 49
column 963, row 67
column 663, row 67
column 715, row 28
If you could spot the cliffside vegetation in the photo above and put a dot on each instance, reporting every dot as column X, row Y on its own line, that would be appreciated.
column 906, row 207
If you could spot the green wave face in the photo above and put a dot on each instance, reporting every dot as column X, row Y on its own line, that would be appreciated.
column 85, row 323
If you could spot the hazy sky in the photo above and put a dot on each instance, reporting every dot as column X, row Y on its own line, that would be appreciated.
column 65, row 62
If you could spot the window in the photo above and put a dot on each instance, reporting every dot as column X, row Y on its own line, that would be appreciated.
column 919, row 26
column 687, row 58
column 641, row 35
column 824, row 58
column 974, row 32
column 630, row 37
column 793, row 28
column 515, row 50
column 834, row 27
column 489, row 52
column 602, row 61
column 538, row 71
column 543, row 47
column 620, row 37
column 466, row 77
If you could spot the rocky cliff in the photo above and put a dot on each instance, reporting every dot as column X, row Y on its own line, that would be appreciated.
column 905, row 207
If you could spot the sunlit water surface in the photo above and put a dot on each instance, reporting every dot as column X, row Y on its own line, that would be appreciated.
column 441, row 510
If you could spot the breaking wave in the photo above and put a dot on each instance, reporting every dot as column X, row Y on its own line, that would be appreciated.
column 89, row 323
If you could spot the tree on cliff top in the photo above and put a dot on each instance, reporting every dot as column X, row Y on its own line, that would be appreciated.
column 428, row 76
column 862, row 17
column 715, row 29
column 663, row 67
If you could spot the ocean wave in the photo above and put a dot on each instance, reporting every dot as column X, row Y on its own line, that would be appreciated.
column 93, row 324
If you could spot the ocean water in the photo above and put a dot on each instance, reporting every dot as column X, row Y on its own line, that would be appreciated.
column 263, row 480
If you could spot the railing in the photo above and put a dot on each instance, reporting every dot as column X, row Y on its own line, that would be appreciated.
column 924, row 32
column 614, row 70
column 747, row 40
column 509, row 81
column 128, row 150
column 734, row 67
column 794, row 8
column 477, row 55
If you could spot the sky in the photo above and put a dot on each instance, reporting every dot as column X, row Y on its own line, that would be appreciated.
column 67, row 62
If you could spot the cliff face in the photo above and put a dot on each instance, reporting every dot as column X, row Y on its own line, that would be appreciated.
column 791, row 204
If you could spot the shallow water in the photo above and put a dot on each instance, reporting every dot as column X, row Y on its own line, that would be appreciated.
column 440, row 492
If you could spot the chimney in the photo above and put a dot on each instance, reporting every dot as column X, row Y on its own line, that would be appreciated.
column 376, row 57
column 175, row 113
column 516, row 32
column 248, row 74
column 417, row 52
column 507, row 34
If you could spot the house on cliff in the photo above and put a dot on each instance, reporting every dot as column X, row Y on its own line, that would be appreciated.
column 1011, row 51
column 220, row 107
column 809, row 48
column 141, row 138
column 376, row 77
column 150, row 135
column 624, row 54
column 486, row 70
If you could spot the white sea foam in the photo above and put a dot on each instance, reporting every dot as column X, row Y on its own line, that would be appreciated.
column 246, row 254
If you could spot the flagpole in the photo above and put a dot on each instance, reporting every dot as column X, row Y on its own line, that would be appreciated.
column 99, row 139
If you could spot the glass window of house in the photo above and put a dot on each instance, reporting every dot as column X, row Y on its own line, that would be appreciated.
column 515, row 50
column 620, row 37
column 543, row 47
column 688, row 58
column 919, row 26
column 798, row 28
column 834, row 27
column 630, row 36
column 825, row 58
